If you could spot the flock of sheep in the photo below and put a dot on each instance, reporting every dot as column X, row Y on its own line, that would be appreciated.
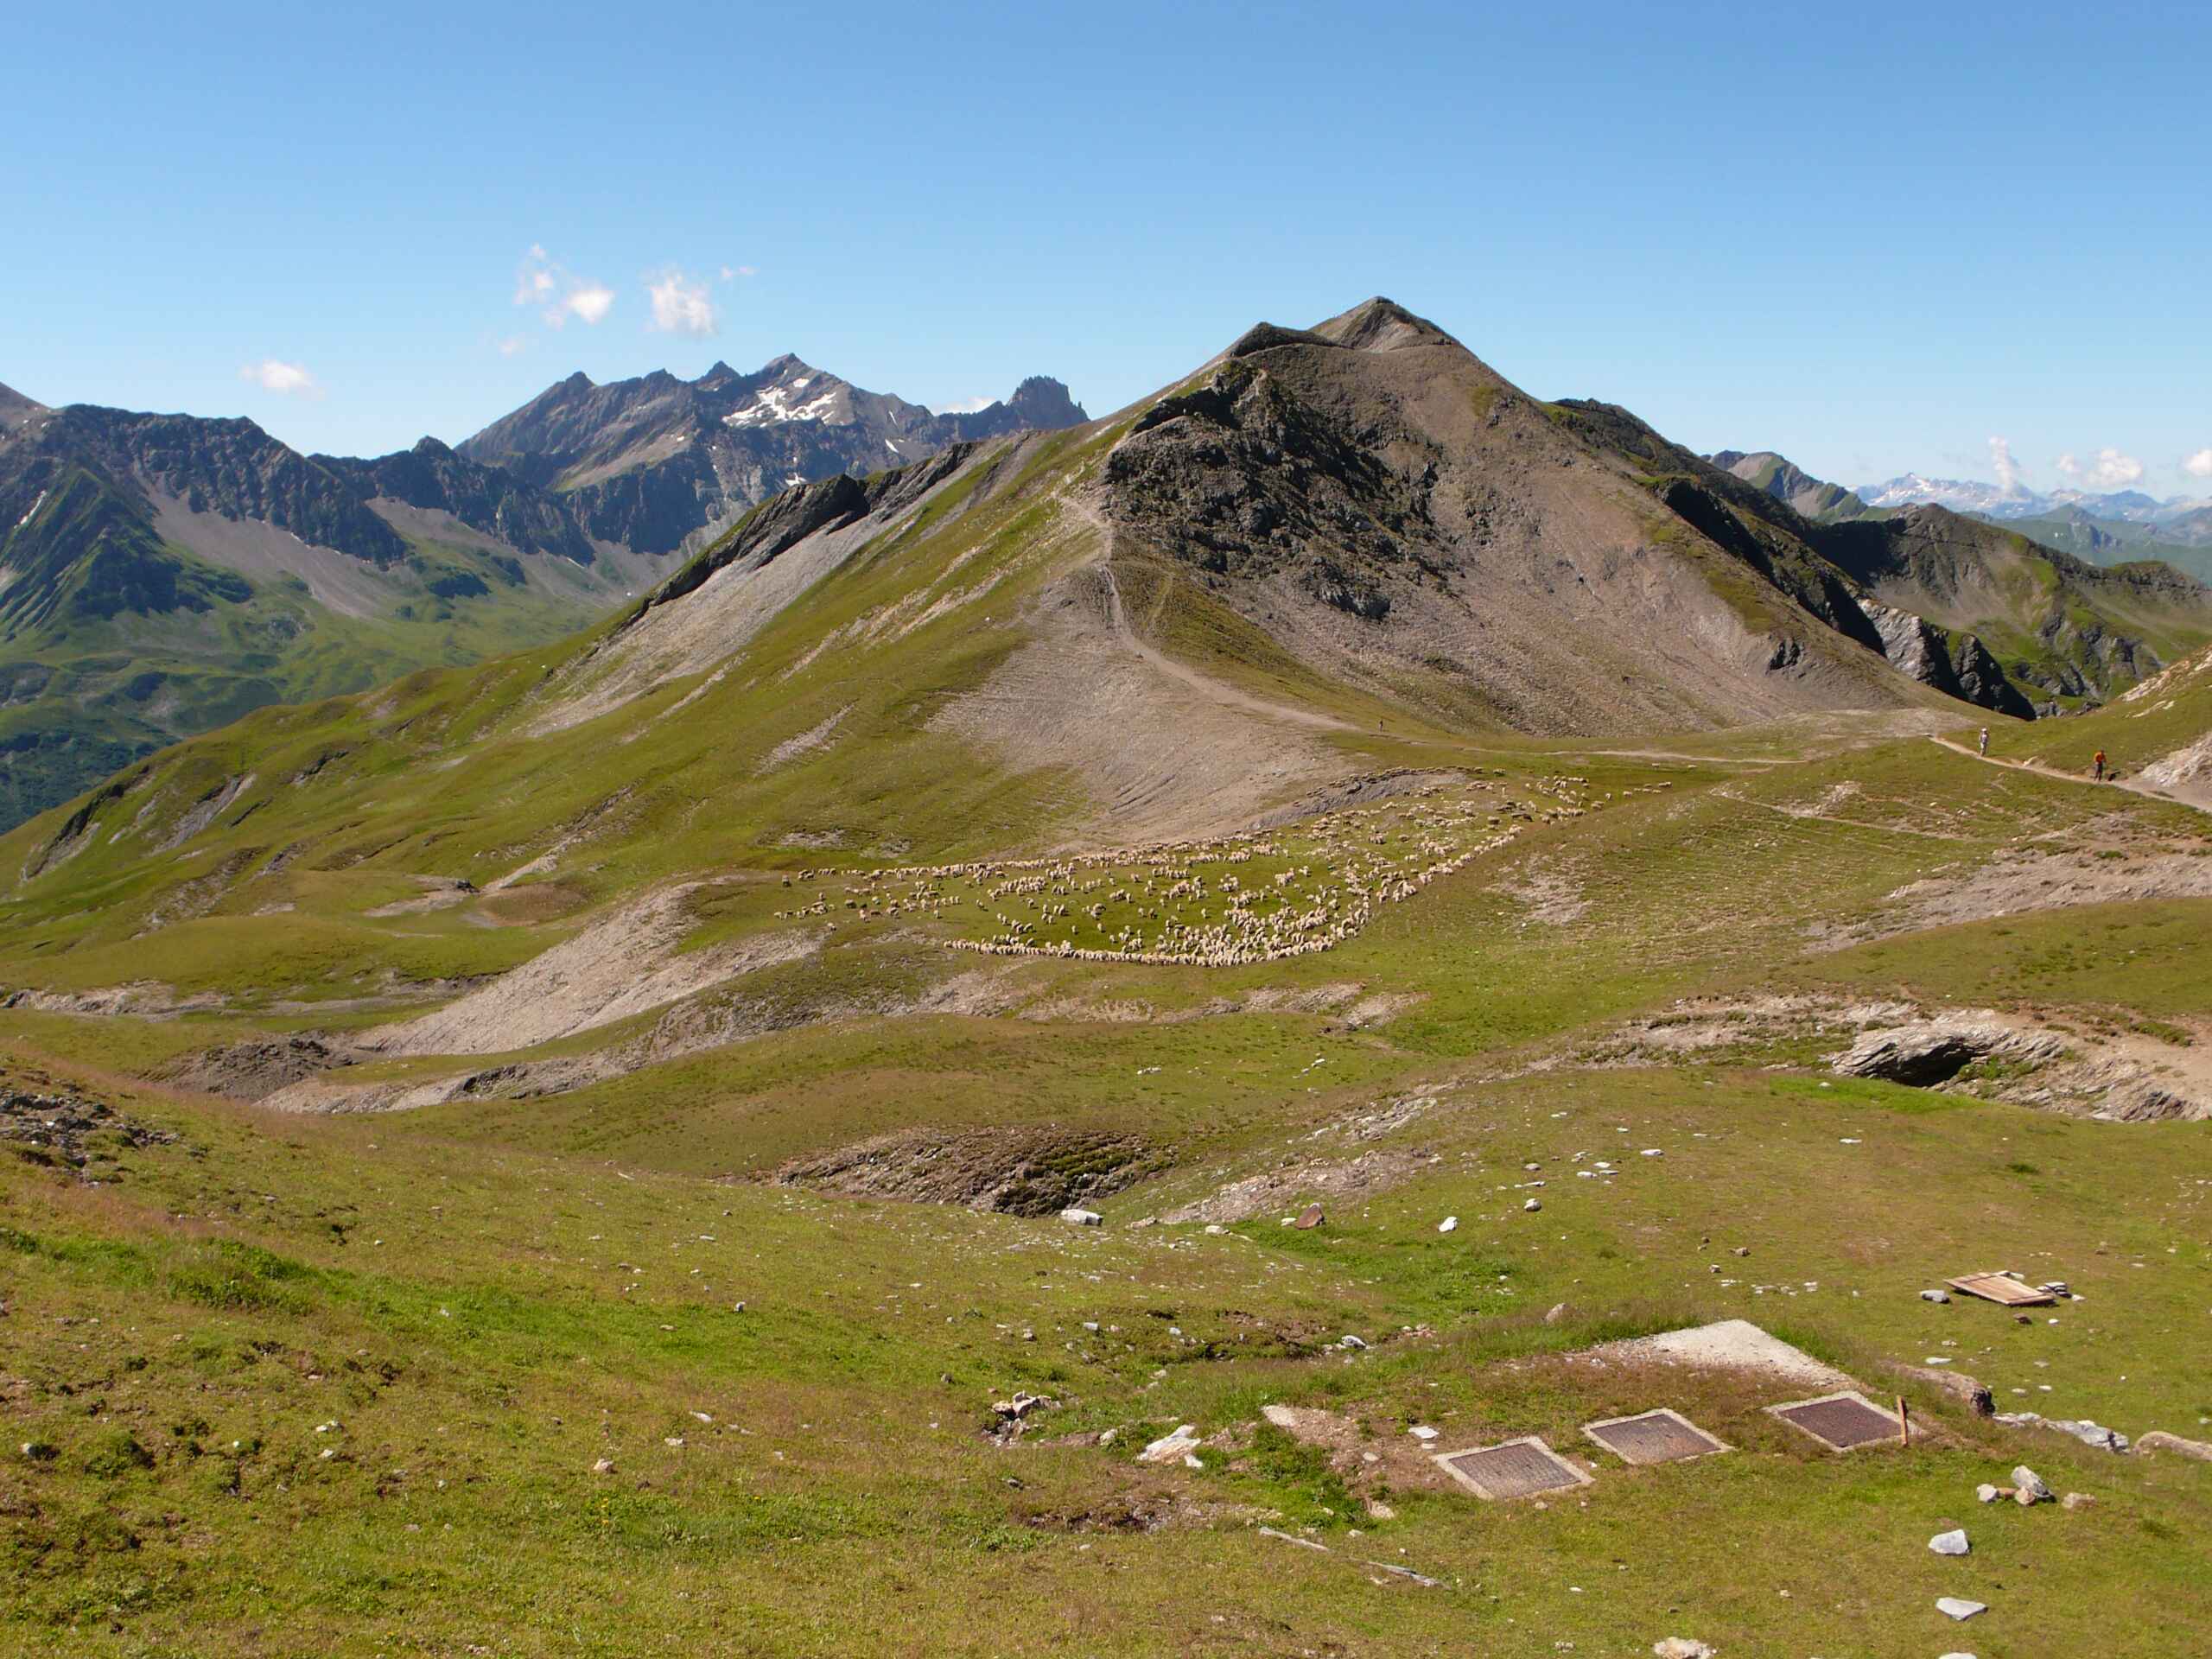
column 1223, row 902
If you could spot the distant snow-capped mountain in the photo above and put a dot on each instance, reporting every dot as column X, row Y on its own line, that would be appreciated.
column 2017, row 501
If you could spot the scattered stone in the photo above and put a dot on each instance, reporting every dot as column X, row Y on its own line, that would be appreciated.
column 1934, row 1296
column 2076, row 1501
column 604, row 1466
column 1021, row 1406
column 1169, row 1447
column 1079, row 1217
column 1291, row 1538
column 1422, row 1432
column 1309, row 1218
column 1953, row 1543
column 2028, row 1486
column 1958, row 1607
column 1533, row 1204
column 1421, row 1578
column 1988, row 1494
column 2090, row 1433
column 1378, row 1510
column 1351, row 1341
column 1557, row 1311
column 1681, row 1647
column 1972, row 1393
column 1450, row 1223
column 2158, row 1441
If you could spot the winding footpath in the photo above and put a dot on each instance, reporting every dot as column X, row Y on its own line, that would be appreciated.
column 2041, row 771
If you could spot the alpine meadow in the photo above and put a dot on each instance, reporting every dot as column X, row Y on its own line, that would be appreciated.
column 1345, row 1010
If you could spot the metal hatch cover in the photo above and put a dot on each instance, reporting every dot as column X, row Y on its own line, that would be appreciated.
column 1520, row 1468
column 1661, row 1436
column 1841, row 1423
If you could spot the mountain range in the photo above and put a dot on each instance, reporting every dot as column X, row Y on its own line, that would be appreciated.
column 2105, row 530
column 1157, row 626
column 164, row 573
column 2016, row 501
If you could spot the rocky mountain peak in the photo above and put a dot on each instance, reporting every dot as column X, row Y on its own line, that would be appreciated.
column 1381, row 325
column 16, row 409
column 1044, row 403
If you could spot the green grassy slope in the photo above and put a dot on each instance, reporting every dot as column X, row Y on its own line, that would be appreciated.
column 343, row 1383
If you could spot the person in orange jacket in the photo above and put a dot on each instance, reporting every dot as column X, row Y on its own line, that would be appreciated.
column 2099, row 762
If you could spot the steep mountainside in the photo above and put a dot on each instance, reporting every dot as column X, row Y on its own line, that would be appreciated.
column 160, row 575
column 1788, row 483
column 1974, row 609
column 657, row 463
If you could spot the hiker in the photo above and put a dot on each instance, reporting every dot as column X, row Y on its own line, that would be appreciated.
column 1985, row 742
column 2099, row 762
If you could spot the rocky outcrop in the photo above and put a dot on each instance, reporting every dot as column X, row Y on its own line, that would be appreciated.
column 1958, row 666
column 1935, row 1050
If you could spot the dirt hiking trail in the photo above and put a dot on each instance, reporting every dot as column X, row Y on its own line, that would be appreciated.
column 2041, row 771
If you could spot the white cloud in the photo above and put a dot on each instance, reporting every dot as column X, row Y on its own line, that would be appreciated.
column 966, row 406
column 2000, row 457
column 2114, row 471
column 2110, row 470
column 590, row 301
column 681, row 306
column 512, row 345
column 729, row 271
column 273, row 374
column 2199, row 465
column 543, row 281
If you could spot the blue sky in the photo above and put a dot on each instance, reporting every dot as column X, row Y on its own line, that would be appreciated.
column 1875, row 238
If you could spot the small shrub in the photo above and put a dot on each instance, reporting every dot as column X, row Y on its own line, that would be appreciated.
column 115, row 1453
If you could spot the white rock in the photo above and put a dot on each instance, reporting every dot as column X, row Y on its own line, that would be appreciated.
column 1422, row 1432
column 1079, row 1217
column 1955, row 1607
column 1533, row 1204
column 604, row 1466
column 1986, row 1492
column 1953, row 1543
column 1681, row 1647
column 1169, row 1447
column 2028, row 1486
column 1934, row 1296
column 1351, row 1341
column 1450, row 1223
